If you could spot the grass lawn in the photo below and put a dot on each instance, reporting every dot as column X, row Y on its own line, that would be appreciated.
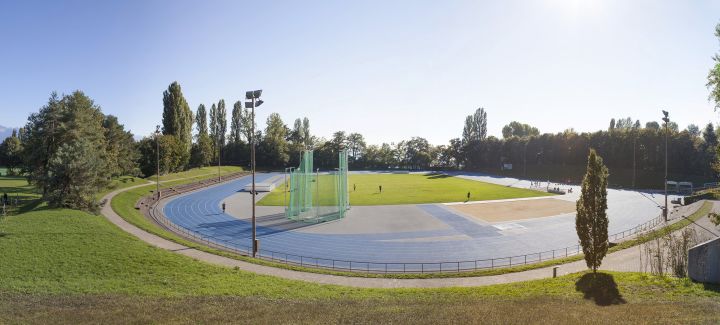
column 62, row 265
column 198, row 173
column 408, row 189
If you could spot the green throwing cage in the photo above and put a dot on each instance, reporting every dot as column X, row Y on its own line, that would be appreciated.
column 312, row 196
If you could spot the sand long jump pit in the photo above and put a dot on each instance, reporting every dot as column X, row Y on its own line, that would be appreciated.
column 511, row 210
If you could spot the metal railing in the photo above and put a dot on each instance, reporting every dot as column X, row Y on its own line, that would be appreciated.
column 389, row 267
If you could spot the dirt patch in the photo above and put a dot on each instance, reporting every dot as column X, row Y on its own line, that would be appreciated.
column 515, row 210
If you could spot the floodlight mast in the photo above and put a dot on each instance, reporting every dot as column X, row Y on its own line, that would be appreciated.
column 254, row 97
column 666, row 119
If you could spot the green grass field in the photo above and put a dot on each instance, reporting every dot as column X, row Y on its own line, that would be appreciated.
column 407, row 189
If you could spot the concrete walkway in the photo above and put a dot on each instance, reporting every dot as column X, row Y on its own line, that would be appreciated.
column 625, row 260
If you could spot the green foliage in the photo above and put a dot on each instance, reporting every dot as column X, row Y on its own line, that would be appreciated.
column 236, row 130
column 520, row 130
column 178, row 119
column 591, row 221
column 122, row 154
column 475, row 126
column 714, row 76
column 218, row 127
column 714, row 218
column 201, row 153
column 274, row 144
column 64, row 122
column 172, row 155
column 78, row 173
column 11, row 153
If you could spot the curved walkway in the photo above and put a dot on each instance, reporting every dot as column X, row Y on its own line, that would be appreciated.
column 625, row 260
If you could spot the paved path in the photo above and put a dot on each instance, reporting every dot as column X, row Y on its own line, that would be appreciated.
column 625, row 260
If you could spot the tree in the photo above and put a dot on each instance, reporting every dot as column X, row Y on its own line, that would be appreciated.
column 11, row 153
column 356, row 145
column 274, row 145
column 714, row 76
column 122, row 154
column 202, row 150
column 693, row 130
column 236, row 130
column 221, row 123
column 178, row 118
column 624, row 124
column 475, row 126
column 520, row 130
column 612, row 125
column 170, row 154
column 710, row 138
column 246, row 123
column 652, row 125
column 78, row 174
column 306, row 132
column 591, row 222
column 62, row 121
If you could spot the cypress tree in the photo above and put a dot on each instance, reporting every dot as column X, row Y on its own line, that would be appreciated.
column 591, row 221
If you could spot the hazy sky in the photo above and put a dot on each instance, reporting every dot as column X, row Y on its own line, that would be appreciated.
column 387, row 69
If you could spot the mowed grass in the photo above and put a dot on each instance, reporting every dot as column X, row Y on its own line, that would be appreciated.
column 407, row 189
column 197, row 173
column 68, row 266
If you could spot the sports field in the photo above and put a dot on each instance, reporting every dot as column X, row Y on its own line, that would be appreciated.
column 407, row 189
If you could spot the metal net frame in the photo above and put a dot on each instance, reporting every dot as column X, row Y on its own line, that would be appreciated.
column 313, row 196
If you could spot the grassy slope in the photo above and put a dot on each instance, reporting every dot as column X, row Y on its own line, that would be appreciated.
column 411, row 189
column 199, row 173
column 56, row 262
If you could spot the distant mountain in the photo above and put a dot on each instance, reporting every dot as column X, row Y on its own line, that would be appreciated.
column 5, row 132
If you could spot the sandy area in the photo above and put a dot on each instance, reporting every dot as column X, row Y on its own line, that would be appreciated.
column 515, row 210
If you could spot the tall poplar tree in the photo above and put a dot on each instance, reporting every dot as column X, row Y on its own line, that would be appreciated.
column 177, row 118
column 236, row 123
column 591, row 221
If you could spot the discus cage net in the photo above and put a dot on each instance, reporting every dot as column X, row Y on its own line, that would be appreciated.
column 313, row 196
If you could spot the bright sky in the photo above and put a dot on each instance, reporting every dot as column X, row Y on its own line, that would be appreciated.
column 387, row 69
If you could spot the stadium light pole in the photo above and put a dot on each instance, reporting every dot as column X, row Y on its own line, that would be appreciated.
column 254, row 97
column 157, row 151
column 666, row 119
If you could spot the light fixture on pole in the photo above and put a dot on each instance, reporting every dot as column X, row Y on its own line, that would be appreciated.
column 255, row 101
column 157, row 151
column 666, row 119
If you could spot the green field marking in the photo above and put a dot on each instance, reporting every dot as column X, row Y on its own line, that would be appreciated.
column 408, row 189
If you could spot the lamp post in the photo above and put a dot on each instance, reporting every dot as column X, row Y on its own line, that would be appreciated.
column 525, row 158
column 254, row 97
column 666, row 119
column 157, row 151
column 219, row 154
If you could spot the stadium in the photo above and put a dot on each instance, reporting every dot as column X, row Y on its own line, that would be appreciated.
column 417, row 222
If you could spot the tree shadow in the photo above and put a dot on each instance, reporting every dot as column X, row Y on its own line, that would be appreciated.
column 436, row 176
column 601, row 288
column 711, row 287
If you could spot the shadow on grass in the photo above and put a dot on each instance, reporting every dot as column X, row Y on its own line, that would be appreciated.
column 601, row 288
column 32, row 206
column 437, row 176
column 711, row 287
